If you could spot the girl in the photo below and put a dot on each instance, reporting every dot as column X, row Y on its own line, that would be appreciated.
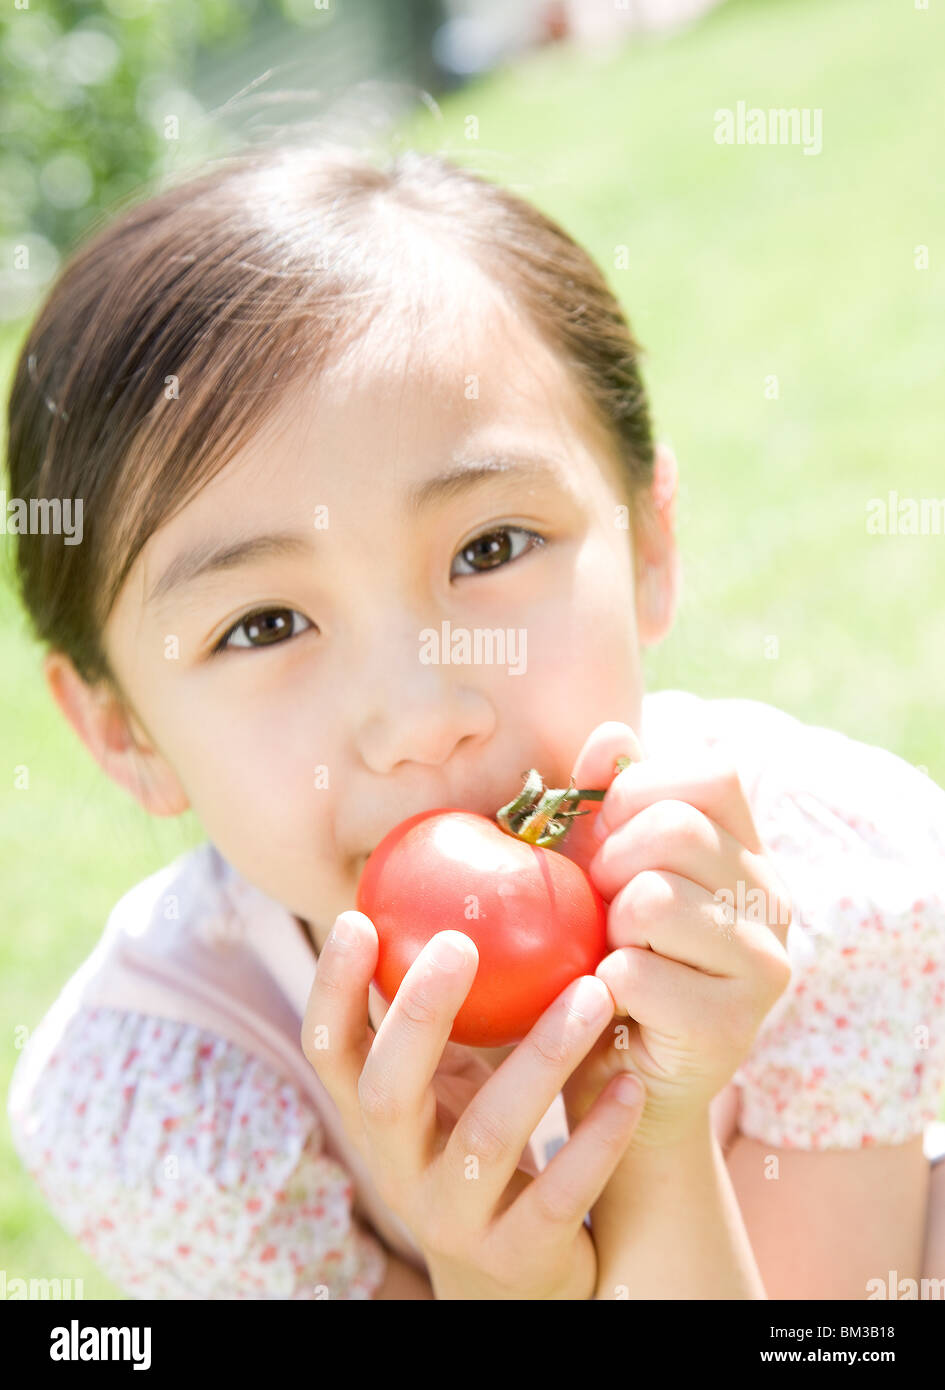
column 314, row 408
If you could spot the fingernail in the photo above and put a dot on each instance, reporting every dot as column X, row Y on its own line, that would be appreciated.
column 587, row 1001
column 628, row 1091
column 447, row 954
column 343, row 934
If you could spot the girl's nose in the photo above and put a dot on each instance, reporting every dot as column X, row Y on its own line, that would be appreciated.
column 411, row 710
column 410, row 728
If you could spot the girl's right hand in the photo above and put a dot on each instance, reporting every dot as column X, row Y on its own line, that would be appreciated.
column 486, row 1229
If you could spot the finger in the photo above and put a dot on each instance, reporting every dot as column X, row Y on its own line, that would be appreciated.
column 456, row 1057
column 679, row 919
column 676, row 837
column 605, row 1060
column 558, row 1200
column 594, row 766
column 336, row 1029
column 713, row 786
column 595, row 770
column 377, row 1007
column 697, row 1013
column 664, row 995
column 496, row 1126
column 398, row 1103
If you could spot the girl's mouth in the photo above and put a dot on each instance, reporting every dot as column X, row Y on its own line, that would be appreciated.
column 579, row 844
column 361, row 860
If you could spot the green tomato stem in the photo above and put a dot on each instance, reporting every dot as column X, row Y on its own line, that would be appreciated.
column 543, row 816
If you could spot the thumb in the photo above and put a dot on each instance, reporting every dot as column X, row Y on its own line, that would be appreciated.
column 595, row 770
column 595, row 764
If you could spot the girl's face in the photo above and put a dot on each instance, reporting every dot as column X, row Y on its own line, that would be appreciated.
column 399, row 510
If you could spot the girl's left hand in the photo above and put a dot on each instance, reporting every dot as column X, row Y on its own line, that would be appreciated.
column 697, row 922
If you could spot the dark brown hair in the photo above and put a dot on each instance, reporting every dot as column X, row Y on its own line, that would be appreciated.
column 235, row 283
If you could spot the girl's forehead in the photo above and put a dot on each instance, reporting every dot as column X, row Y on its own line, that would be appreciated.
column 412, row 411
column 467, row 352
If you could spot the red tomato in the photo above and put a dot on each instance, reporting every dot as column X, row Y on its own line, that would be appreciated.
column 536, row 918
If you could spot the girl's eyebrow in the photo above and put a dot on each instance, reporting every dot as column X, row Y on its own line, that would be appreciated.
column 210, row 557
column 533, row 467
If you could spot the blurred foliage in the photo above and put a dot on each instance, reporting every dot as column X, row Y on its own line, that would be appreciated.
column 85, row 99
column 99, row 99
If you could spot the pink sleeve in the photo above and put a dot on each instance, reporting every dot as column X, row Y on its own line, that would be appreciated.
column 853, row 1053
column 190, row 1170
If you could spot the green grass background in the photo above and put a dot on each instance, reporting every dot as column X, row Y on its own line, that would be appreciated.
column 745, row 261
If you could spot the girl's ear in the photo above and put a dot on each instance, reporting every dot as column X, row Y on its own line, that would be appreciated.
column 103, row 723
column 657, row 558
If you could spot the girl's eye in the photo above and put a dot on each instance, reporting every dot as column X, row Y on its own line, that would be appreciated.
column 270, row 625
column 494, row 549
